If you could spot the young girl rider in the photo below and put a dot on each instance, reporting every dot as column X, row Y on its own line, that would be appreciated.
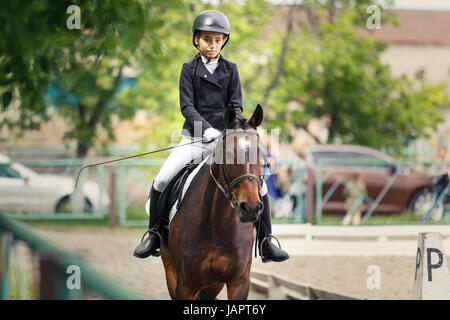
column 208, row 85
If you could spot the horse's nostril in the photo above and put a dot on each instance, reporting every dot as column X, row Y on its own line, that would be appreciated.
column 260, row 206
column 244, row 206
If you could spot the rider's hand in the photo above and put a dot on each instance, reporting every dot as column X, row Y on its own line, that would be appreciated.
column 211, row 134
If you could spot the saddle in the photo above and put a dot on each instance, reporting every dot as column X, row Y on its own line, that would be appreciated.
column 173, row 192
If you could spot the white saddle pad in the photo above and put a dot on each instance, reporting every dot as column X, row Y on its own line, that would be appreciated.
column 189, row 179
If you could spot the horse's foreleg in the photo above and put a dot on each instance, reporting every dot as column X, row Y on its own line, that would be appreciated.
column 187, row 288
column 171, row 275
column 184, row 291
column 211, row 292
column 238, row 288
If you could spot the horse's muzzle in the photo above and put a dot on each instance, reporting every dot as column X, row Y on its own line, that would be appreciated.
column 248, row 214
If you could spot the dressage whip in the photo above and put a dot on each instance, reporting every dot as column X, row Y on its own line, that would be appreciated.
column 147, row 153
column 138, row 155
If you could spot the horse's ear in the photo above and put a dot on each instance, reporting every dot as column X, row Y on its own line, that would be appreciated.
column 229, row 117
column 257, row 116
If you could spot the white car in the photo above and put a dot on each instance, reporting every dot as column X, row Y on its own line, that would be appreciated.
column 23, row 190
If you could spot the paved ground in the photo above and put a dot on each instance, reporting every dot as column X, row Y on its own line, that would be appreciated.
column 339, row 266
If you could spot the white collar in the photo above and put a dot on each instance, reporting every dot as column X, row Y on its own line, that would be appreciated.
column 205, row 60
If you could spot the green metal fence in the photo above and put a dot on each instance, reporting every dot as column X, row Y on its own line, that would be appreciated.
column 133, row 181
column 127, row 184
column 54, row 265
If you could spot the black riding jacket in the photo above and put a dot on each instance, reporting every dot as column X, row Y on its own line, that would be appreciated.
column 205, row 96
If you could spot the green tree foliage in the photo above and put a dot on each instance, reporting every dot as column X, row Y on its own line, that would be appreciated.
column 331, row 71
column 38, row 49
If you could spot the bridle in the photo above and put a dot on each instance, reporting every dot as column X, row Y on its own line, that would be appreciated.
column 228, row 183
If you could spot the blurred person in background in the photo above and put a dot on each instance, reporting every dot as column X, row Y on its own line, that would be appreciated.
column 273, row 189
column 354, row 191
column 291, row 179
column 441, row 166
column 299, row 172
column 441, row 173
column 277, row 184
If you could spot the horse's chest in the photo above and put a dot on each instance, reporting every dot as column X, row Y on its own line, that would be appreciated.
column 224, row 265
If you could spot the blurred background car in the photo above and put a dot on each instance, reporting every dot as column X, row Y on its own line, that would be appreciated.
column 24, row 190
column 410, row 190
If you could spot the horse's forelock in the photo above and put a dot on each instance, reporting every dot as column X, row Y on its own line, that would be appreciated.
column 243, row 123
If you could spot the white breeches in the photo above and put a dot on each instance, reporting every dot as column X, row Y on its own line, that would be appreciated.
column 181, row 156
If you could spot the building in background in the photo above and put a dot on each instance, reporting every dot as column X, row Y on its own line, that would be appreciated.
column 420, row 48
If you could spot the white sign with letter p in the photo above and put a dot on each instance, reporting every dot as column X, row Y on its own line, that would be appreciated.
column 431, row 277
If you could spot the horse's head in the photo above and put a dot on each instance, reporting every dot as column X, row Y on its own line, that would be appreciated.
column 241, row 163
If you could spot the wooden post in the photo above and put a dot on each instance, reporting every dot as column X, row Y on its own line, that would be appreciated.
column 318, row 203
column 299, row 214
column 112, row 193
column 53, row 279
column 310, row 196
column 48, row 277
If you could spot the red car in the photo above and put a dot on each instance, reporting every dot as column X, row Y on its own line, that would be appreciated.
column 398, row 187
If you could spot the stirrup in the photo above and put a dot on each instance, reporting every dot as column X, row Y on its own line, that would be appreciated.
column 155, row 252
column 265, row 239
column 152, row 231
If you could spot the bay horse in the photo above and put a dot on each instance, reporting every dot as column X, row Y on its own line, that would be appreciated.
column 210, row 240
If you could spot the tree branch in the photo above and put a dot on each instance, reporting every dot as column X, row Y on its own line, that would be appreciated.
column 312, row 17
column 331, row 11
column 102, row 103
column 281, row 59
column 81, row 112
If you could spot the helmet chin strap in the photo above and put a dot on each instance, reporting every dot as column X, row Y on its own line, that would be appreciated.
column 208, row 59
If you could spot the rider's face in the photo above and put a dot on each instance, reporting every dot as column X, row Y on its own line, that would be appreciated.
column 210, row 43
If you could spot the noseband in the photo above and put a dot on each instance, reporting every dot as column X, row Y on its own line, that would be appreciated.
column 228, row 184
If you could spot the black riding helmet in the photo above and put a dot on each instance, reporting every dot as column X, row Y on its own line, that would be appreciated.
column 211, row 20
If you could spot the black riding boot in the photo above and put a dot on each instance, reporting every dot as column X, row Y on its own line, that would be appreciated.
column 267, row 250
column 150, row 245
